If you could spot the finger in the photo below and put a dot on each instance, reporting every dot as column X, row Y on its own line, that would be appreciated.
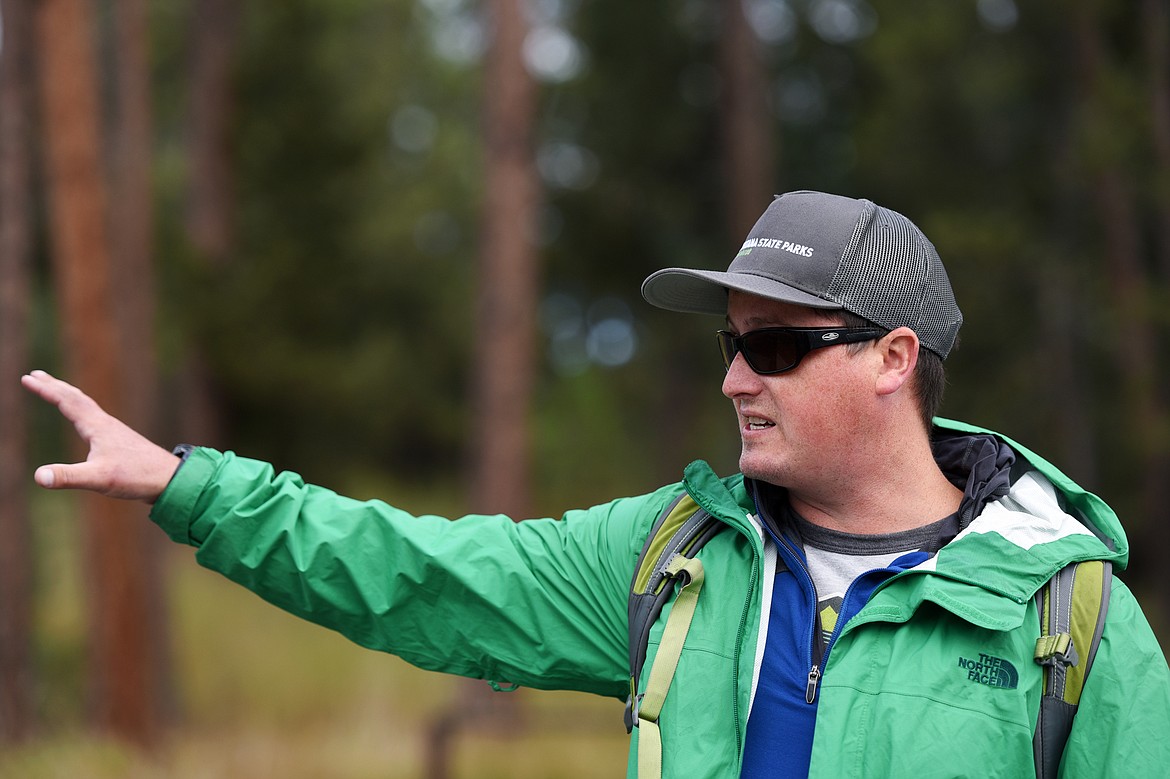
column 73, row 404
column 37, row 382
column 47, row 387
column 60, row 476
column 85, row 476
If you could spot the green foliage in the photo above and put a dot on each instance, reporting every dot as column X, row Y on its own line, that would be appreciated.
column 998, row 152
column 339, row 332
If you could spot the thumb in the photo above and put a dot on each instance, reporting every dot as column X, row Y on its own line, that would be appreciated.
column 45, row 476
column 59, row 477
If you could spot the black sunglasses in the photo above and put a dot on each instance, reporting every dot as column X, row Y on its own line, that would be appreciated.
column 772, row 350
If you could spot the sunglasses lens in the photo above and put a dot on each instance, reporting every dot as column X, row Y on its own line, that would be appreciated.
column 726, row 347
column 769, row 351
column 766, row 351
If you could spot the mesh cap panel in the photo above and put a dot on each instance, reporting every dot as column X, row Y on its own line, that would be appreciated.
column 826, row 251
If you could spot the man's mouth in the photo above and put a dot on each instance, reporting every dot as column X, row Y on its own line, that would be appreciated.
column 758, row 423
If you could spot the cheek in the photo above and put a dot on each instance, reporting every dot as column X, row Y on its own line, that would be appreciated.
column 852, row 421
column 830, row 413
column 825, row 415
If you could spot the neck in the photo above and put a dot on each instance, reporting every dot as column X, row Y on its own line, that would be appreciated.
column 902, row 488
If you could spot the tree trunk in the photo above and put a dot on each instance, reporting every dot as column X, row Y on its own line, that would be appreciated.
column 505, row 326
column 1155, row 21
column 1130, row 285
column 16, row 667
column 120, row 652
column 132, row 217
column 133, row 274
column 208, row 214
column 748, row 134
column 210, row 202
column 1069, row 410
column 508, row 274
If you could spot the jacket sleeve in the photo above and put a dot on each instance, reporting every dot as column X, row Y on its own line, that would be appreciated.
column 540, row 603
column 1122, row 727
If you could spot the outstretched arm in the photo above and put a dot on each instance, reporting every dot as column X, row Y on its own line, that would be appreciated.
column 121, row 463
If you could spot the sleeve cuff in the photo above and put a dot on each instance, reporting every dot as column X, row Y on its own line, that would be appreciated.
column 174, row 510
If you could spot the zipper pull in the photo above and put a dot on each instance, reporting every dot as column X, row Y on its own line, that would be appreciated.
column 814, row 676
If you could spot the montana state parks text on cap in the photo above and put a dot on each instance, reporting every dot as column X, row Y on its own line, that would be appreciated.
column 829, row 252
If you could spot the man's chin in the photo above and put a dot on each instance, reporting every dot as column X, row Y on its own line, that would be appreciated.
column 754, row 468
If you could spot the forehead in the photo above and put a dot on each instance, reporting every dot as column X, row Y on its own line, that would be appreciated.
column 747, row 312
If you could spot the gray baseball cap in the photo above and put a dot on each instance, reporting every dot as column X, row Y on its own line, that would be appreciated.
column 829, row 252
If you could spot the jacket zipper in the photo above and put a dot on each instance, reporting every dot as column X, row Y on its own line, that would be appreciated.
column 816, row 644
column 814, row 675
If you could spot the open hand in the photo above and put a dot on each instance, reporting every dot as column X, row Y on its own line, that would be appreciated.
column 121, row 462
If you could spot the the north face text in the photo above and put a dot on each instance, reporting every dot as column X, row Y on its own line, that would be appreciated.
column 992, row 671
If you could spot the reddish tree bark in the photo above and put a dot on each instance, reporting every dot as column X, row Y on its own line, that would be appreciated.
column 1130, row 281
column 132, row 216
column 133, row 274
column 508, row 273
column 210, row 201
column 748, row 133
column 1155, row 21
column 208, row 214
column 505, row 327
column 120, row 653
column 16, row 666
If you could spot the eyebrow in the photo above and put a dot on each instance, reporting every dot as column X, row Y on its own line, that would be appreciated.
column 757, row 322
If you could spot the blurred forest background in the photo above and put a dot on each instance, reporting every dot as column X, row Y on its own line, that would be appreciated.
column 396, row 246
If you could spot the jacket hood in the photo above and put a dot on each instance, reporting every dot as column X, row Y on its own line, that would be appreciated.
column 1017, row 540
column 1051, row 494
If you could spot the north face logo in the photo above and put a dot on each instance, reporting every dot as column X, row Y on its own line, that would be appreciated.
column 992, row 671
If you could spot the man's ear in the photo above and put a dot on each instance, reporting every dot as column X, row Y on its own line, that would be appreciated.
column 898, row 352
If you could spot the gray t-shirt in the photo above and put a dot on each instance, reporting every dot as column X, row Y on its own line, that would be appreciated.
column 836, row 558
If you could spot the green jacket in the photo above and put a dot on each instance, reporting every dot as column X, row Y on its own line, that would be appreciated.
column 542, row 603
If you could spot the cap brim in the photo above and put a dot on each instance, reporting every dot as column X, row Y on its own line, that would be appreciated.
column 705, row 292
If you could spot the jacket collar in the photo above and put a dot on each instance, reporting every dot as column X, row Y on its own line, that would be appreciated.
column 1020, row 521
column 723, row 498
column 1069, row 497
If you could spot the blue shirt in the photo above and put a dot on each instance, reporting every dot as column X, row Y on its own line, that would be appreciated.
column 783, row 716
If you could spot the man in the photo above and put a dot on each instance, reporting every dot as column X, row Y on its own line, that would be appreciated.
column 867, row 610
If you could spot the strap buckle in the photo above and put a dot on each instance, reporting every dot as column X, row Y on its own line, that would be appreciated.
column 1059, row 648
column 633, row 712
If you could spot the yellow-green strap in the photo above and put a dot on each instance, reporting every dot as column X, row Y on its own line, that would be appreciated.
column 1048, row 647
column 649, row 750
column 665, row 664
column 1090, row 596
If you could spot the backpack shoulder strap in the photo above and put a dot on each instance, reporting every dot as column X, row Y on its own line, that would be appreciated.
column 681, row 529
column 1072, row 608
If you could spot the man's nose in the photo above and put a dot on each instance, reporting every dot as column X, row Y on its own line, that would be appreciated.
column 740, row 379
